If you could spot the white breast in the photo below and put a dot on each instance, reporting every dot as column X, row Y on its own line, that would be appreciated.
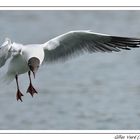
column 33, row 51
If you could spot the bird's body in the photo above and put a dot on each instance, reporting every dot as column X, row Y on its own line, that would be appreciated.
column 19, row 61
column 18, row 65
column 28, row 58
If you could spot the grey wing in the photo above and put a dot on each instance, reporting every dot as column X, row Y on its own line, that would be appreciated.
column 5, row 53
column 8, row 49
column 77, row 42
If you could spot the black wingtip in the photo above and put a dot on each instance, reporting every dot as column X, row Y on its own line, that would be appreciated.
column 125, row 42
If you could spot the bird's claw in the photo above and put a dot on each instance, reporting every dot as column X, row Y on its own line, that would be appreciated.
column 31, row 90
column 19, row 95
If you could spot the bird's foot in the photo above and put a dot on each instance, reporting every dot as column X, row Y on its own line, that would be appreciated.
column 19, row 95
column 31, row 90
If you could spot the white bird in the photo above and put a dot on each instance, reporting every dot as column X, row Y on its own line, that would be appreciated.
column 28, row 58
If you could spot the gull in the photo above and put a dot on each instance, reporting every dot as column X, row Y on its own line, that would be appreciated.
column 28, row 58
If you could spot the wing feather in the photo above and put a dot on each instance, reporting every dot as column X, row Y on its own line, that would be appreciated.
column 8, row 49
column 77, row 42
column 5, row 52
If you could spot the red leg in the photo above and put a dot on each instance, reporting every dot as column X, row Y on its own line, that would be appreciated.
column 31, row 89
column 19, row 94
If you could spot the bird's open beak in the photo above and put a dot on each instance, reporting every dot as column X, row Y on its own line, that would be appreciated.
column 34, row 73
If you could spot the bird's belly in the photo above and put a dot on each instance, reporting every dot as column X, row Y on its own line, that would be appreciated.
column 18, row 65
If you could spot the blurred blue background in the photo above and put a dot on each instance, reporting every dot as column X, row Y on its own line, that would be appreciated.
column 91, row 92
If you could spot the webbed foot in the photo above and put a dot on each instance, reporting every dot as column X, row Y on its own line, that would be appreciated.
column 19, row 95
column 31, row 90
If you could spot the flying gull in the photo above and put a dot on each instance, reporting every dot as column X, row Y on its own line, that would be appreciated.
column 28, row 58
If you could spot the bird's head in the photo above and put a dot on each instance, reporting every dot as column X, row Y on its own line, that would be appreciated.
column 34, row 64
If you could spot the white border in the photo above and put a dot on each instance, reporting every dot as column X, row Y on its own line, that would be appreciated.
column 69, row 3
column 71, row 131
column 71, row 8
column 69, row 134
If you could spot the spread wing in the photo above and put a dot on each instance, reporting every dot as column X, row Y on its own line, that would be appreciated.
column 7, row 49
column 77, row 42
column 5, row 52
